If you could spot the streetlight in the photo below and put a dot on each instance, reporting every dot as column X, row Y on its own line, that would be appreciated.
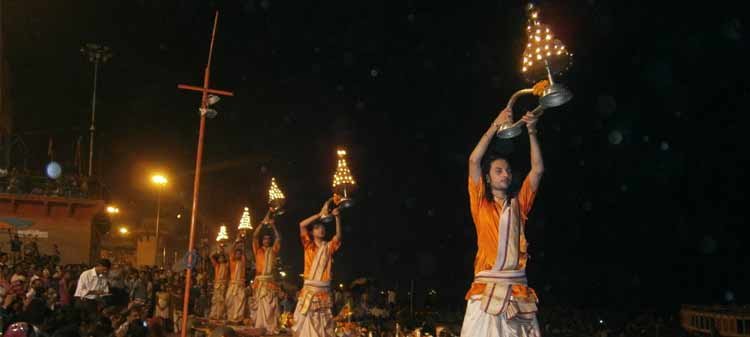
column 96, row 54
column 113, row 210
column 160, row 181
column 124, row 230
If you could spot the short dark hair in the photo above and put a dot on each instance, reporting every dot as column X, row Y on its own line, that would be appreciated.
column 104, row 263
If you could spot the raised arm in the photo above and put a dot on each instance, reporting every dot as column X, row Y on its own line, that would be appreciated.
column 256, row 234
column 537, row 164
column 307, row 222
column 276, row 234
column 475, row 159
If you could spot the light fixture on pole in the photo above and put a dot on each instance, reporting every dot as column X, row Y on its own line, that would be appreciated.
column 160, row 181
column 96, row 54
column 544, row 57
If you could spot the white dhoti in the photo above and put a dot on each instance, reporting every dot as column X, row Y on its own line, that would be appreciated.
column 478, row 323
column 235, row 301
column 313, row 317
column 267, row 303
column 218, row 307
column 497, row 312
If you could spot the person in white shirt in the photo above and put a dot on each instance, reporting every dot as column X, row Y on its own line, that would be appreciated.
column 92, row 285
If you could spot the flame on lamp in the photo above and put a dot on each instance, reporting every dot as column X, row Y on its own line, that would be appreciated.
column 542, row 49
column 223, row 236
column 343, row 175
column 274, row 192
column 245, row 220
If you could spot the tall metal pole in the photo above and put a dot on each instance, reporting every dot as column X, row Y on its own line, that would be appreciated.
column 158, row 216
column 93, row 118
column 196, row 183
column 96, row 54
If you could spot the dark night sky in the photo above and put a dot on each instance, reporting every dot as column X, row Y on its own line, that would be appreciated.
column 408, row 87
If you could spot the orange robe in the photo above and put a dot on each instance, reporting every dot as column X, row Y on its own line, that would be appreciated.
column 486, row 216
column 313, row 317
column 265, row 288
column 499, row 303
column 221, row 276
column 235, row 298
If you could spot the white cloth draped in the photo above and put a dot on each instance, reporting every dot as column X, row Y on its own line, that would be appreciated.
column 478, row 323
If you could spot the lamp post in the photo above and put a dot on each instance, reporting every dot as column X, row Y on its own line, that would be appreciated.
column 112, row 210
column 159, row 180
column 96, row 54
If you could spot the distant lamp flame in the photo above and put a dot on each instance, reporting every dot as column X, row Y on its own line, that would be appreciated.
column 274, row 192
column 245, row 220
column 276, row 198
column 223, row 236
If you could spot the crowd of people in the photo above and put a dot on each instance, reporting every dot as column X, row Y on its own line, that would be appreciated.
column 566, row 321
column 39, row 295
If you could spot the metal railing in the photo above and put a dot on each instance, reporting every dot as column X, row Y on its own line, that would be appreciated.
column 711, row 321
column 64, row 187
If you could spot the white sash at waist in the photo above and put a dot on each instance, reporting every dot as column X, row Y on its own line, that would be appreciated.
column 501, row 277
column 318, row 284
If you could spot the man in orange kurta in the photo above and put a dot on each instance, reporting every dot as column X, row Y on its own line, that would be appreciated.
column 265, row 288
column 499, row 301
column 313, row 316
column 235, row 298
column 221, row 277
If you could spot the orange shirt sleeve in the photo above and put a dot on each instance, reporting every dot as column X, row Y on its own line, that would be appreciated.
column 305, row 238
column 256, row 246
column 335, row 245
column 476, row 195
column 526, row 198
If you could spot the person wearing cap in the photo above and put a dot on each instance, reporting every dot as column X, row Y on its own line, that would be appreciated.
column 313, row 316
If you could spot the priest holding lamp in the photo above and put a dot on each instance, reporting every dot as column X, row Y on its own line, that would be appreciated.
column 500, row 302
